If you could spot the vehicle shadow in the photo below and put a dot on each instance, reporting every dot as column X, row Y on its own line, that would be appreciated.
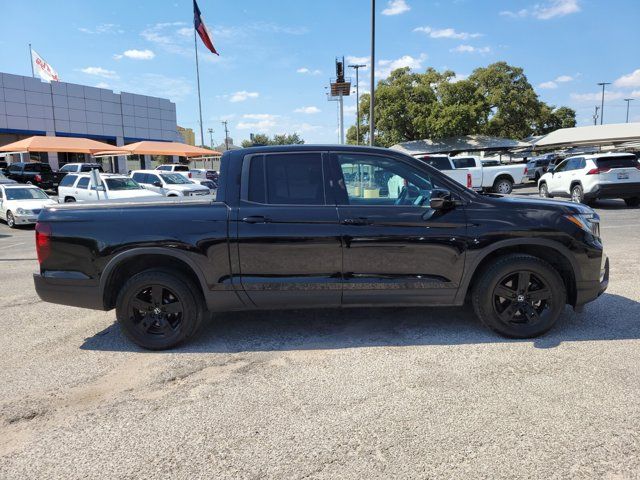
column 611, row 317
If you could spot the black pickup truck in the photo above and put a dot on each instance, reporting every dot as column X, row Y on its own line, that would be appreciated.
column 321, row 226
column 32, row 173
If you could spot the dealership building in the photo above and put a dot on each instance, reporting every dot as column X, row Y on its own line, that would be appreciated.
column 29, row 106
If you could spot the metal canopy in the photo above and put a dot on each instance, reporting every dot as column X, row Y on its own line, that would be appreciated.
column 466, row 143
column 596, row 135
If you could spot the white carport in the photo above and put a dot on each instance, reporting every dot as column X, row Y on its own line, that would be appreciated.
column 619, row 135
column 465, row 143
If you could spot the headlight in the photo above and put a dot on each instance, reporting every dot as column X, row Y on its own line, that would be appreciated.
column 589, row 222
column 21, row 211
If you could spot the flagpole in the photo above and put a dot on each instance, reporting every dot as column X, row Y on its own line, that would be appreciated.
column 195, row 44
column 33, row 74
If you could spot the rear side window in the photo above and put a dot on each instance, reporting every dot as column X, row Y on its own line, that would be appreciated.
column 617, row 162
column 163, row 167
column 32, row 167
column 140, row 177
column 464, row 162
column 88, row 168
column 287, row 179
column 440, row 163
column 83, row 182
column 68, row 180
column 180, row 168
column 68, row 168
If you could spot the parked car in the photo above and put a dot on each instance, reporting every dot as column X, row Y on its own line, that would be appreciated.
column 203, row 173
column 536, row 167
column 290, row 229
column 79, row 187
column 206, row 183
column 21, row 204
column 175, row 168
column 74, row 168
column 589, row 177
column 3, row 167
column 445, row 165
column 499, row 179
column 168, row 184
column 32, row 173
column 4, row 179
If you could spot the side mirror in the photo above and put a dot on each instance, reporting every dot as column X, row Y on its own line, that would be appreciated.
column 551, row 168
column 441, row 200
column 157, row 184
column 100, row 188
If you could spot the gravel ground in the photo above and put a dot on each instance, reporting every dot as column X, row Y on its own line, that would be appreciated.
column 378, row 393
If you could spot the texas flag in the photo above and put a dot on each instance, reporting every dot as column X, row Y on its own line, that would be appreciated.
column 201, row 28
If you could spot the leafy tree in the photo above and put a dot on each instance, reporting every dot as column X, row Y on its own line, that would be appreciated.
column 263, row 139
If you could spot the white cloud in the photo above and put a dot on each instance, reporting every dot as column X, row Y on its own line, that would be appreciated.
column 136, row 54
column 353, row 60
column 260, row 116
column 385, row 67
column 446, row 33
column 100, row 72
column 307, row 110
column 242, row 96
column 551, row 84
column 546, row 11
column 635, row 94
column 629, row 81
column 396, row 7
column 458, row 77
column 307, row 71
column 263, row 122
column 102, row 28
column 102, row 85
column 596, row 97
column 548, row 85
column 564, row 79
column 470, row 49
column 305, row 128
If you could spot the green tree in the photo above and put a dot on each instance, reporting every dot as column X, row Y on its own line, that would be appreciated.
column 263, row 139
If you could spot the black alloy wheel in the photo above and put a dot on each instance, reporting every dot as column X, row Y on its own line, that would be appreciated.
column 156, row 310
column 521, row 298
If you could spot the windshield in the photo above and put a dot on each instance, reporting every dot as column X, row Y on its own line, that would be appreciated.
column 25, row 194
column 174, row 179
column 122, row 184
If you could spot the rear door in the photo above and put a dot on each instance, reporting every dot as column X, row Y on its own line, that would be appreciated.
column 396, row 249
column 81, row 191
column 287, row 231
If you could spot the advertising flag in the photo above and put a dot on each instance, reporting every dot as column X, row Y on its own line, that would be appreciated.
column 43, row 69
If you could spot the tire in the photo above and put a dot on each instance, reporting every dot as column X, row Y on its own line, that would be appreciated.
column 11, row 221
column 543, row 191
column 69, row 200
column 503, row 186
column 632, row 202
column 577, row 194
column 147, row 315
column 519, row 314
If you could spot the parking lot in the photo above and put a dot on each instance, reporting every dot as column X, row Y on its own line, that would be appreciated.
column 369, row 393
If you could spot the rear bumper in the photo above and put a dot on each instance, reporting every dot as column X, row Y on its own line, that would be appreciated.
column 614, row 190
column 68, row 288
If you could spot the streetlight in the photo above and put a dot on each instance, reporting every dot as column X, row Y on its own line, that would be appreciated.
column 628, row 100
column 211, row 137
column 373, row 72
column 602, row 84
column 357, row 67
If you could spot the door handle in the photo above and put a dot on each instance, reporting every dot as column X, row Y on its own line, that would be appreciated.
column 356, row 221
column 256, row 219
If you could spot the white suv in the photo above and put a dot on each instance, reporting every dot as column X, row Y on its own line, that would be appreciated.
column 587, row 178
column 80, row 188
column 168, row 184
column 175, row 167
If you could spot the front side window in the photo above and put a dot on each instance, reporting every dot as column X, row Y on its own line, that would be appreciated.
column 174, row 179
column 374, row 180
column 83, row 183
column 114, row 184
column 562, row 167
column 140, row 177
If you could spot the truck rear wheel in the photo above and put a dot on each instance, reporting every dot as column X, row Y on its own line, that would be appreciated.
column 632, row 202
column 503, row 186
column 159, row 309
column 519, row 296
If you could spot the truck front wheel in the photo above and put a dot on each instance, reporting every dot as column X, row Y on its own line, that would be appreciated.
column 159, row 309
column 519, row 296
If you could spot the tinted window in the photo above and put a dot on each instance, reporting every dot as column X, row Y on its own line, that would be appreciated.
column 15, row 168
column 68, row 180
column 180, row 168
column 88, row 168
column 561, row 167
column 464, row 162
column 257, row 181
column 617, row 162
column 573, row 164
column 121, row 184
column 173, row 179
column 440, row 163
column 164, row 167
column 140, row 177
column 32, row 167
column 83, row 182
column 295, row 179
column 68, row 168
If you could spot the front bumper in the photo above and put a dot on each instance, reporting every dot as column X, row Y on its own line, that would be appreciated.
column 25, row 219
column 614, row 190
column 588, row 291
column 68, row 288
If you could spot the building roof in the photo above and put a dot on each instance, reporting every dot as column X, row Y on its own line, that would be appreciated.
column 57, row 144
column 466, row 143
column 611, row 134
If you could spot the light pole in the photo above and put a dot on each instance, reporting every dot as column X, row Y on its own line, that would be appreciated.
column 595, row 116
column 602, row 84
column 628, row 100
column 373, row 72
column 210, row 137
column 226, row 135
column 357, row 68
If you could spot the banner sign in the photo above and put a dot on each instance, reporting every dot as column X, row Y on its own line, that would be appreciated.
column 43, row 69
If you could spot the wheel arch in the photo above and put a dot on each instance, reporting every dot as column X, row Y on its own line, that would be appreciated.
column 556, row 255
column 131, row 262
column 504, row 176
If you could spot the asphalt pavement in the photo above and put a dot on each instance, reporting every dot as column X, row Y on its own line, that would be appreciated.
column 367, row 393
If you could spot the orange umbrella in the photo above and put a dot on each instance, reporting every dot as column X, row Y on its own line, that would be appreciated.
column 163, row 148
column 59, row 144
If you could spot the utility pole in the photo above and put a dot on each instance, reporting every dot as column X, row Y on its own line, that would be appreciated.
column 603, row 85
column 373, row 72
column 226, row 135
column 628, row 100
column 210, row 137
column 595, row 116
column 357, row 68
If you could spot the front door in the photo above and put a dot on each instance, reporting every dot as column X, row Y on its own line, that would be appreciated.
column 397, row 250
column 559, row 178
column 288, row 233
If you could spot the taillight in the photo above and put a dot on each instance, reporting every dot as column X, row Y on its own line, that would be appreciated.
column 596, row 171
column 38, row 178
column 43, row 241
column 638, row 166
column 190, row 176
column 526, row 170
column 469, row 182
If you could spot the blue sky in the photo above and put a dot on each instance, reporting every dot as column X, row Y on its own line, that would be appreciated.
column 277, row 56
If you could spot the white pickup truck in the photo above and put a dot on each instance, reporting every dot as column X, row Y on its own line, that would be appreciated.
column 499, row 178
column 444, row 164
